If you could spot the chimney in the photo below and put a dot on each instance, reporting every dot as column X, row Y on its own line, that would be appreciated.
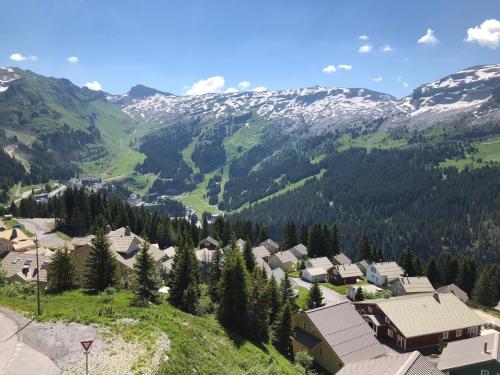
column 485, row 348
column 436, row 297
column 13, row 234
column 108, row 228
column 127, row 231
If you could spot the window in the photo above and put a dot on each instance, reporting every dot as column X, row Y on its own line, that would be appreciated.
column 390, row 333
column 15, row 261
column 472, row 331
column 445, row 335
column 44, row 264
column 27, row 262
column 485, row 372
column 458, row 333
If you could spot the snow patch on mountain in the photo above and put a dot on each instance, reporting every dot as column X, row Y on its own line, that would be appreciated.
column 7, row 76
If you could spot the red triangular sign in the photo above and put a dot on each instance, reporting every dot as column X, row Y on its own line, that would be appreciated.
column 86, row 345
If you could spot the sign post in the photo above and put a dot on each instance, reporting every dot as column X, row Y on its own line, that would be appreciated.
column 86, row 345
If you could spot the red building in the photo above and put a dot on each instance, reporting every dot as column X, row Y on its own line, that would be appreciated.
column 419, row 321
column 345, row 274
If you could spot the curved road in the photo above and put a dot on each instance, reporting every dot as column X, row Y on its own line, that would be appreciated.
column 16, row 357
column 43, row 229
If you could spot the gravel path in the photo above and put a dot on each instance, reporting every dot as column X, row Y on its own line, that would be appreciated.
column 43, row 229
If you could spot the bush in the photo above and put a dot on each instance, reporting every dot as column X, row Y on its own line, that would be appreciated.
column 17, row 289
column 108, row 294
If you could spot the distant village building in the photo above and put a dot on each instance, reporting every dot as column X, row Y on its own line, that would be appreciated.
column 335, row 335
column 270, row 245
column 382, row 274
column 284, row 260
column 209, row 243
column 411, row 285
column 421, row 320
column 478, row 355
column 341, row 258
column 345, row 274
column 452, row 288
column 412, row 363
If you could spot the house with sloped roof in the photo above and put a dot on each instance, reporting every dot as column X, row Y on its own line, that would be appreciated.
column 209, row 243
column 421, row 320
column 15, row 239
column 456, row 290
column 478, row 355
column 169, row 252
column 335, row 335
column 319, row 262
column 412, row 363
column 240, row 244
column 342, row 274
column 22, row 267
column 341, row 258
column 382, row 274
column 363, row 265
column 313, row 274
column 300, row 251
column 411, row 285
column 284, row 260
column 270, row 245
column 261, row 252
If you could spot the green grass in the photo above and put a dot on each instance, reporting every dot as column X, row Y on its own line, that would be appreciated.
column 186, row 155
column 488, row 151
column 140, row 183
column 302, row 298
column 381, row 140
column 245, row 138
column 342, row 289
column 198, row 344
column 294, row 274
column 196, row 199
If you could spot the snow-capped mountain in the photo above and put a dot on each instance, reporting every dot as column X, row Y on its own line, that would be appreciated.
column 461, row 94
column 7, row 75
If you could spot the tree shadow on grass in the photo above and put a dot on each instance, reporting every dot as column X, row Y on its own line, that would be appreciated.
column 240, row 340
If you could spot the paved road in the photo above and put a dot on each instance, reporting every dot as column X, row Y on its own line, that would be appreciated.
column 487, row 317
column 16, row 357
column 330, row 296
column 43, row 229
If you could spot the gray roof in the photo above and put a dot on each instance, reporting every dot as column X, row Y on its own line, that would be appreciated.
column 262, row 263
column 169, row 252
column 15, row 263
column 341, row 258
column 299, row 249
column 452, row 288
column 348, row 270
column 401, row 364
column 210, row 240
column 391, row 270
column 346, row 332
column 204, row 255
column 417, row 284
column 278, row 273
column 322, row 262
column 427, row 313
column 285, row 256
column 470, row 351
column 260, row 252
column 270, row 245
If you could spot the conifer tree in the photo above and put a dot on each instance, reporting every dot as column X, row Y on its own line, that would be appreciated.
column 233, row 289
column 316, row 243
column 263, row 233
column 101, row 268
column 406, row 261
column 432, row 272
column 287, row 292
column 215, row 275
column 304, row 235
column 467, row 274
column 61, row 271
column 315, row 296
column 289, row 239
column 364, row 249
column 274, row 298
column 484, row 292
column 258, row 309
column 147, row 277
column 335, row 242
column 359, row 295
column 283, row 331
column 249, row 257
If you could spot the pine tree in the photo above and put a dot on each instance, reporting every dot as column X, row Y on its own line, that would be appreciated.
column 406, row 262
column 147, row 277
column 204, row 227
column 432, row 272
column 364, row 249
column 359, row 295
column 233, row 289
column 184, row 273
column 274, row 298
column 289, row 239
column 215, row 275
column 190, row 298
column 467, row 274
column 283, row 331
column 335, row 242
column 316, row 242
column 315, row 296
column 101, row 268
column 258, row 310
column 304, row 235
column 287, row 292
column 61, row 271
column 484, row 292
column 249, row 257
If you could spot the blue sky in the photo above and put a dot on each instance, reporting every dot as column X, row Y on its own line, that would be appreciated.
column 171, row 45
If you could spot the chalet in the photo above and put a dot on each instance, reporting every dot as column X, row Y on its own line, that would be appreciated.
column 204, row 258
column 421, row 320
column 334, row 335
column 261, row 252
column 368, row 289
column 15, row 240
column 300, row 251
column 363, row 265
column 345, row 274
column 341, row 258
column 209, row 243
column 412, row 363
column 313, row 274
column 239, row 243
column 321, row 262
column 478, row 355
column 284, row 260
column 270, row 245
column 411, row 285
column 261, row 262
column 169, row 252
column 452, row 288
column 22, row 267
column 124, row 244
column 382, row 274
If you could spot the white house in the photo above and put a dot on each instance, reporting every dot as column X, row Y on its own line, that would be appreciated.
column 382, row 274
column 314, row 274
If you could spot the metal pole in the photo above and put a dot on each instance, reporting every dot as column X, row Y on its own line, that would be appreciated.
column 38, row 310
column 87, row 363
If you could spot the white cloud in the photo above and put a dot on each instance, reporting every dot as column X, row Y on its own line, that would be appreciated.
column 386, row 48
column 259, row 89
column 329, row 69
column 93, row 85
column 344, row 67
column 405, row 84
column 244, row 85
column 377, row 79
column 231, row 90
column 486, row 35
column 72, row 59
column 363, row 37
column 367, row 48
column 205, row 86
column 429, row 38
column 19, row 57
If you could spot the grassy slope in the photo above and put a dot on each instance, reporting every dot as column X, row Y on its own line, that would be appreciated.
column 198, row 344
column 381, row 140
column 487, row 151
